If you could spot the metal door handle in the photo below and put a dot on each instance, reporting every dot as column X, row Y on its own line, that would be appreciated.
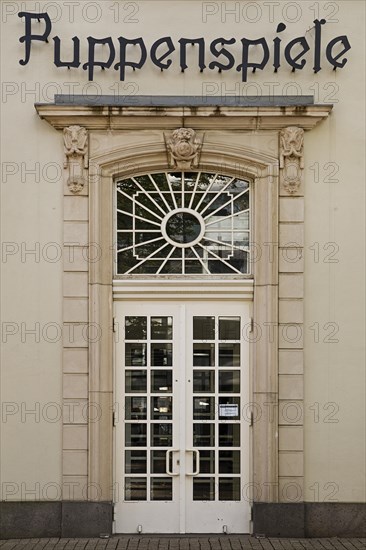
column 197, row 470
column 167, row 460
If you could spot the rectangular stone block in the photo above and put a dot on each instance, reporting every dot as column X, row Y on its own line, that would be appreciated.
column 290, row 361
column 75, row 488
column 76, row 310
column 75, row 360
column 291, row 336
column 75, row 386
column 75, row 258
column 76, row 335
column 291, row 286
column 291, row 260
column 30, row 519
column 76, row 233
column 291, row 438
column 75, row 437
column 75, row 463
column 86, row 519
column 291, row 311
column 278, row 520
column 291, row 464
column 75, row 411
column 290, row 413
column 75, row 284
column 290, row 386
column 76, row 208
column 291, row 489
column 291, row 235
column 291, row 209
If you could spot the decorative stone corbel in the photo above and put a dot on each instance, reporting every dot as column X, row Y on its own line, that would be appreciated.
column 76, row 158
column 183, row 148
column 291, row 158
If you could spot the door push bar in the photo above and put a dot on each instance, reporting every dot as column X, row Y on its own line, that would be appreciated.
column 170, row 452
column 197, row 470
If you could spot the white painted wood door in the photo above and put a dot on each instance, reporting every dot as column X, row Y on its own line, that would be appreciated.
column 182, row 430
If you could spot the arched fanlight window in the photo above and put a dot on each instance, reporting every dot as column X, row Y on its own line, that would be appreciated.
column 183, row 223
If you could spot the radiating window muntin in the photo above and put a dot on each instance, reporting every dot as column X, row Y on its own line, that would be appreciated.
column 183, row 223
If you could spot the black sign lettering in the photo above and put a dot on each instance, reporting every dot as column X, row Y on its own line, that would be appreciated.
column 123, row 63
column 292, row 60
column 329, row 52
column 57, row 58
column 183, row 52
column 245, row 65
column 224, row 52
column 28, row 38
column 158, row 61
column 91, row 55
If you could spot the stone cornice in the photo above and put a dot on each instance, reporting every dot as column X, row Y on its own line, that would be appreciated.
column 208, row 118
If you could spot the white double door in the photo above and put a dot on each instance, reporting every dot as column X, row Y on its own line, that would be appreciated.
column 182, row 435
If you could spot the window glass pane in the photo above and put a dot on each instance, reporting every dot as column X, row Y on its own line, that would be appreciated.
column 135, row 328
column 161, row 488
column 229, row 462
column 203, row 435
column 229, row 381
column 161, row 355
column 229, row 435
column 229, row 328
column 135, row 408
column 203, row 328
column 229, row 488
column 136, row 381
column 135, row 488
column 203, row 381
column 161, row 408
column 229, row 355
column 203, row 355
column 161, row 328
column 203, row 408
column 161, row 381
column 158, row 462
column 135, row 355
column 135, row 435
column 207, row 462
column 203, row 488
column 135, row 462
column 161, row 435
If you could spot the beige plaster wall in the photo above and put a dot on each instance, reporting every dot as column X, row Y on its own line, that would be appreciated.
column 334, row 213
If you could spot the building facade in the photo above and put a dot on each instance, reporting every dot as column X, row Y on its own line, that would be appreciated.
column 182, row 204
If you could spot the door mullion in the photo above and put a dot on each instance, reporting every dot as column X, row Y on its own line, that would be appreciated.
column 183, row 375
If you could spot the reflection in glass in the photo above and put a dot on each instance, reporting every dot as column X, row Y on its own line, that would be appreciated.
column 161, row 328
column 229, row 381
column 161, row 488
column 161, row 408
column 135, row 408
column 158, row 462
column 203, row 435
column 135, row 355
column 203, row 328
column 161, row 381
column 229, row 328
column 229, row 488
column 161, row 435
column 203, row 408
column 207, row 462
column 229, row 462
column 135, row 488
column 203, row 381
column 229, row 408
column 135, row 328
column 135, row 435
column 136, row 381
column 229, row 355
column 135, row 462
column 229, row 435
column 161, row 355
column 203, row 355
column 203, row 488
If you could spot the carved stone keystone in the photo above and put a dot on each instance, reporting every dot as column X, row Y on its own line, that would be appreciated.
column 76, row 158
column 291, row 158
column 183, row 148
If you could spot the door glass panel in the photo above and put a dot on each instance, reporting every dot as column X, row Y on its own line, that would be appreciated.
column 229, row 355
column 161, row 328
column 203, row 435
column 207, row 462
column 135, row 408
column 203, row 408
column 229, row 435
column 135, row 328
column 161, row 355
column 229, row 328
column 135, row 488
column 229, row 381
column 229, row 462
column 161, row 381
column 136, row 381
column 158, row 462
column 229, row 408
column 203, row 381
column 204, row 488
column 161, row 488
column 135, row 462
column 229, row 488
column 161, row 435
column 203, row 328
column 135, row 435
column 203, row 355
column 135, row 355
column 161, row 408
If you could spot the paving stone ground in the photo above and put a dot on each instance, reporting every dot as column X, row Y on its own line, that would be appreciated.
column 185, row 542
